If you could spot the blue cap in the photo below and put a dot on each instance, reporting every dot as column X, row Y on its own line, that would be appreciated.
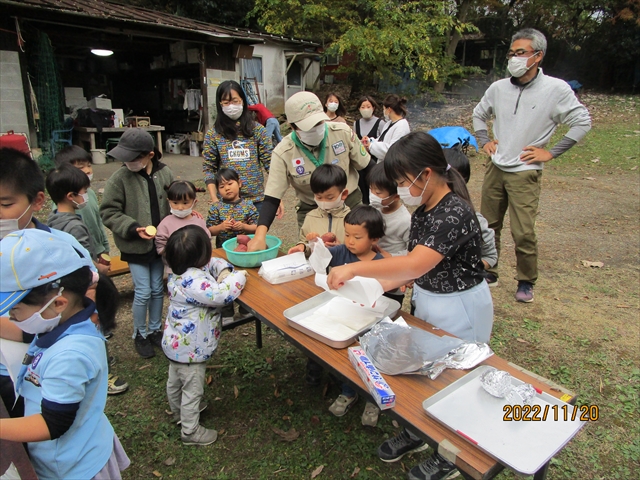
column 31, row 258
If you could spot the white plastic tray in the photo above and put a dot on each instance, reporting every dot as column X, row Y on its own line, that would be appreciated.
column 302, row 310
column 524, row 446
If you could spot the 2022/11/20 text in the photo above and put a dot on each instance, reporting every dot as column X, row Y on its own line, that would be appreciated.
column 536, row 413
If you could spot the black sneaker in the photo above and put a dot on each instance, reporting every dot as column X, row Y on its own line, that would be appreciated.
column 156, row 338
column 525, row 292
column 144, row 346
column 433, row 468
column 492, row 280
column 397, row 447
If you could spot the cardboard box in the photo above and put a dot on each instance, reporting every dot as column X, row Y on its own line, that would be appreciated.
column 102, row 103
column 372, row 378
column 138, row 121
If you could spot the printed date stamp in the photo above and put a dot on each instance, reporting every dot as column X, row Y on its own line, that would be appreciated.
column 538, row 413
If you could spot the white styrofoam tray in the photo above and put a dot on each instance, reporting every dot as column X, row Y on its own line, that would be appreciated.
column 525, row 446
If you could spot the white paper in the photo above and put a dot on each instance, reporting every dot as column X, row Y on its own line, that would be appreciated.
column 320, row 255
column 11, row 356
column 286, row 268
column 11, row 473
column 362, row 290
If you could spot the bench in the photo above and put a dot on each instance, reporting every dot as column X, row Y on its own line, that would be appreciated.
column 118, row 267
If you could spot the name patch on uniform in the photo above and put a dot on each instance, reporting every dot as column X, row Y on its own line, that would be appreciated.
column 338, row 148
column 335, row 161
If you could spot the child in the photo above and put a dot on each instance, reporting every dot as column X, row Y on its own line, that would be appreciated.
column 364, row 227
column 67, row 187
column 182, row 199
column 134, row 199
column 444, row 260
column 64, row 380
column 81, row 159
column 458, row 160
column 198, row 288
column 328, row 184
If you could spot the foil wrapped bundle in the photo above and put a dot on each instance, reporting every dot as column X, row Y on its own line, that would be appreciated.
column 464, row 357
column 498, row 383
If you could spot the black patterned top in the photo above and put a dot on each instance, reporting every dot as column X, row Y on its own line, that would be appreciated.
column 451, row 229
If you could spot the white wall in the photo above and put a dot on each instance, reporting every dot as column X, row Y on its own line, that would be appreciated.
column 273, row 76
column 13, row 111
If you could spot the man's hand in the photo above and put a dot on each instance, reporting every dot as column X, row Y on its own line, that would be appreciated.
column 280, row 211
column 534, row 155
column 338, row 276
column 258, row 242
column 297, row 248
column 490, row 147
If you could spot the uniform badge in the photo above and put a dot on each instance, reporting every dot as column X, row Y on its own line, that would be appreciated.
column 338, row 148
column 297, row 162
column 335, row 161
column 299, row 169
column 363, row 151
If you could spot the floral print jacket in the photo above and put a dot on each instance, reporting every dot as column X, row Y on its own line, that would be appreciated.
column 193, row 324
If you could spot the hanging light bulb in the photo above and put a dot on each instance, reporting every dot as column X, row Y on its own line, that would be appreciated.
column 101, row 52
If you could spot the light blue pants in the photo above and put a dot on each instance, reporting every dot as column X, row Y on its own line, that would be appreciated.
column 468, row 315
column 148, row 295
column 273, row 130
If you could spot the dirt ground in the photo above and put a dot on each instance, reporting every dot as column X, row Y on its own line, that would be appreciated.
column 583, row 329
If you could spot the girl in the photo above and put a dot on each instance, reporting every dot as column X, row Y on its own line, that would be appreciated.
column 374, row 126
column 444, row 259
column 334, row 108
column 199, row 287
column 394, row 110
column 182, row 200
column 64, row 381
column 236, row 141
column 134, row 203
column 233, row 215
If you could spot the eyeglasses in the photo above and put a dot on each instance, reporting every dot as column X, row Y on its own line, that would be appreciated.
column 520, row 53
column 235, row 101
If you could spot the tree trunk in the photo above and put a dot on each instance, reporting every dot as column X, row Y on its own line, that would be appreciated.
column 455, row 36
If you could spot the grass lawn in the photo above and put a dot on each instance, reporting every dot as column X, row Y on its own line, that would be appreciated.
column 582, row 331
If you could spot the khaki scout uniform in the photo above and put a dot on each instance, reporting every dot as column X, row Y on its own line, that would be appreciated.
column 290, row 166
column 320, row 221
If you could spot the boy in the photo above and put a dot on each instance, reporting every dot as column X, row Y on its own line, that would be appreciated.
column 81, row 159
column 458, row 160
column 328, row 184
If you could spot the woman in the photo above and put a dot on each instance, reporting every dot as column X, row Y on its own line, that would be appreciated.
column 394, row 110
column 334, row 108
column 444, row 259
column 368, row 126
column 236, row 141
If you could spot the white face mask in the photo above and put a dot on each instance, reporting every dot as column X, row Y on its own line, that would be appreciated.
column 366, row 113
column 90, row 175
column 35, row 324
column 183, row 213
column 376, row 201
column 233, row 111
column 312, row 137
column 85, row 198
column 135, row 166
column 405, row 193
column 327, row 206
column 517, row 66
column 332, row 106
column 10, row 225
column 386, row 116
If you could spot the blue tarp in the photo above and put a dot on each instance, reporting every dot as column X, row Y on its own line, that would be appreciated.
column 449, row 136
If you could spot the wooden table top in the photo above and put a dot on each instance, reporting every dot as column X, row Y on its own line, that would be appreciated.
column 14, row 452
column 268, row 303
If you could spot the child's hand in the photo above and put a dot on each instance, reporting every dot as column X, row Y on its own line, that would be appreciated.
column 311, row 236
column 366, row 142
column 197, row 215
column 296, row 249
column 143, row 234
column 237, row 226
column 227, row 224
column 332, row 244
column 486, row 265
column 223, row 274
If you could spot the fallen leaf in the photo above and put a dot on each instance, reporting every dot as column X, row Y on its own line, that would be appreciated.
column 324, row 390
column 286, row 417
column 169, row 461
column 595, row 160
column 521, row 340
column 246, row 334
column 276, row 392
column 221, row 431
column 122, row 414
column 217, row 399
column 623, row 306
column 315, row 420
column 289, row 402
column 157, row 473
column 269, row 360
column 148, row 365
column 289, row 436
column 369, row 469
column 355, row 473
column 317, row 471
column 209, row 380
column 634, row 168
column 235, row 391
column 395, row 424
column 587, row 263
column 589, row 178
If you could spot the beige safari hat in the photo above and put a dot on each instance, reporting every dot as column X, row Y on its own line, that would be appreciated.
column 305, row 110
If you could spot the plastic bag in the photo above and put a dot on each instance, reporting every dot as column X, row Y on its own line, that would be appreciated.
column 286, row 268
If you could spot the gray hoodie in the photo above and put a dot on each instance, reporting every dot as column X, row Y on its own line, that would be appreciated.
column 528, row 115
column 74, row 226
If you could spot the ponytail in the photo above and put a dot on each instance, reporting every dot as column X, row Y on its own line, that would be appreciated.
column 456, row 183
column 107, row 302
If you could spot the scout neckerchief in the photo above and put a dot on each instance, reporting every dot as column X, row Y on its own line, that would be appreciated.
column 307, row 153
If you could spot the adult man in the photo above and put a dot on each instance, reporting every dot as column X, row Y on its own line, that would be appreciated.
column 528, row 106
column 313, row 141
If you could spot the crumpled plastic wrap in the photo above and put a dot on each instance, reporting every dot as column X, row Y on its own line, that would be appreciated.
column 498, row 383
column 396, row 348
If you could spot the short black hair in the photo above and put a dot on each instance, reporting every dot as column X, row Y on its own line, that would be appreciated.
column 72, row 154
column 458, row 160
column 326, row 176
column 368, row 216
column 66, row 179
column 187, row 247
column 227, row 174
column 181, row 190
column 379, row 178
column 20, row 173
